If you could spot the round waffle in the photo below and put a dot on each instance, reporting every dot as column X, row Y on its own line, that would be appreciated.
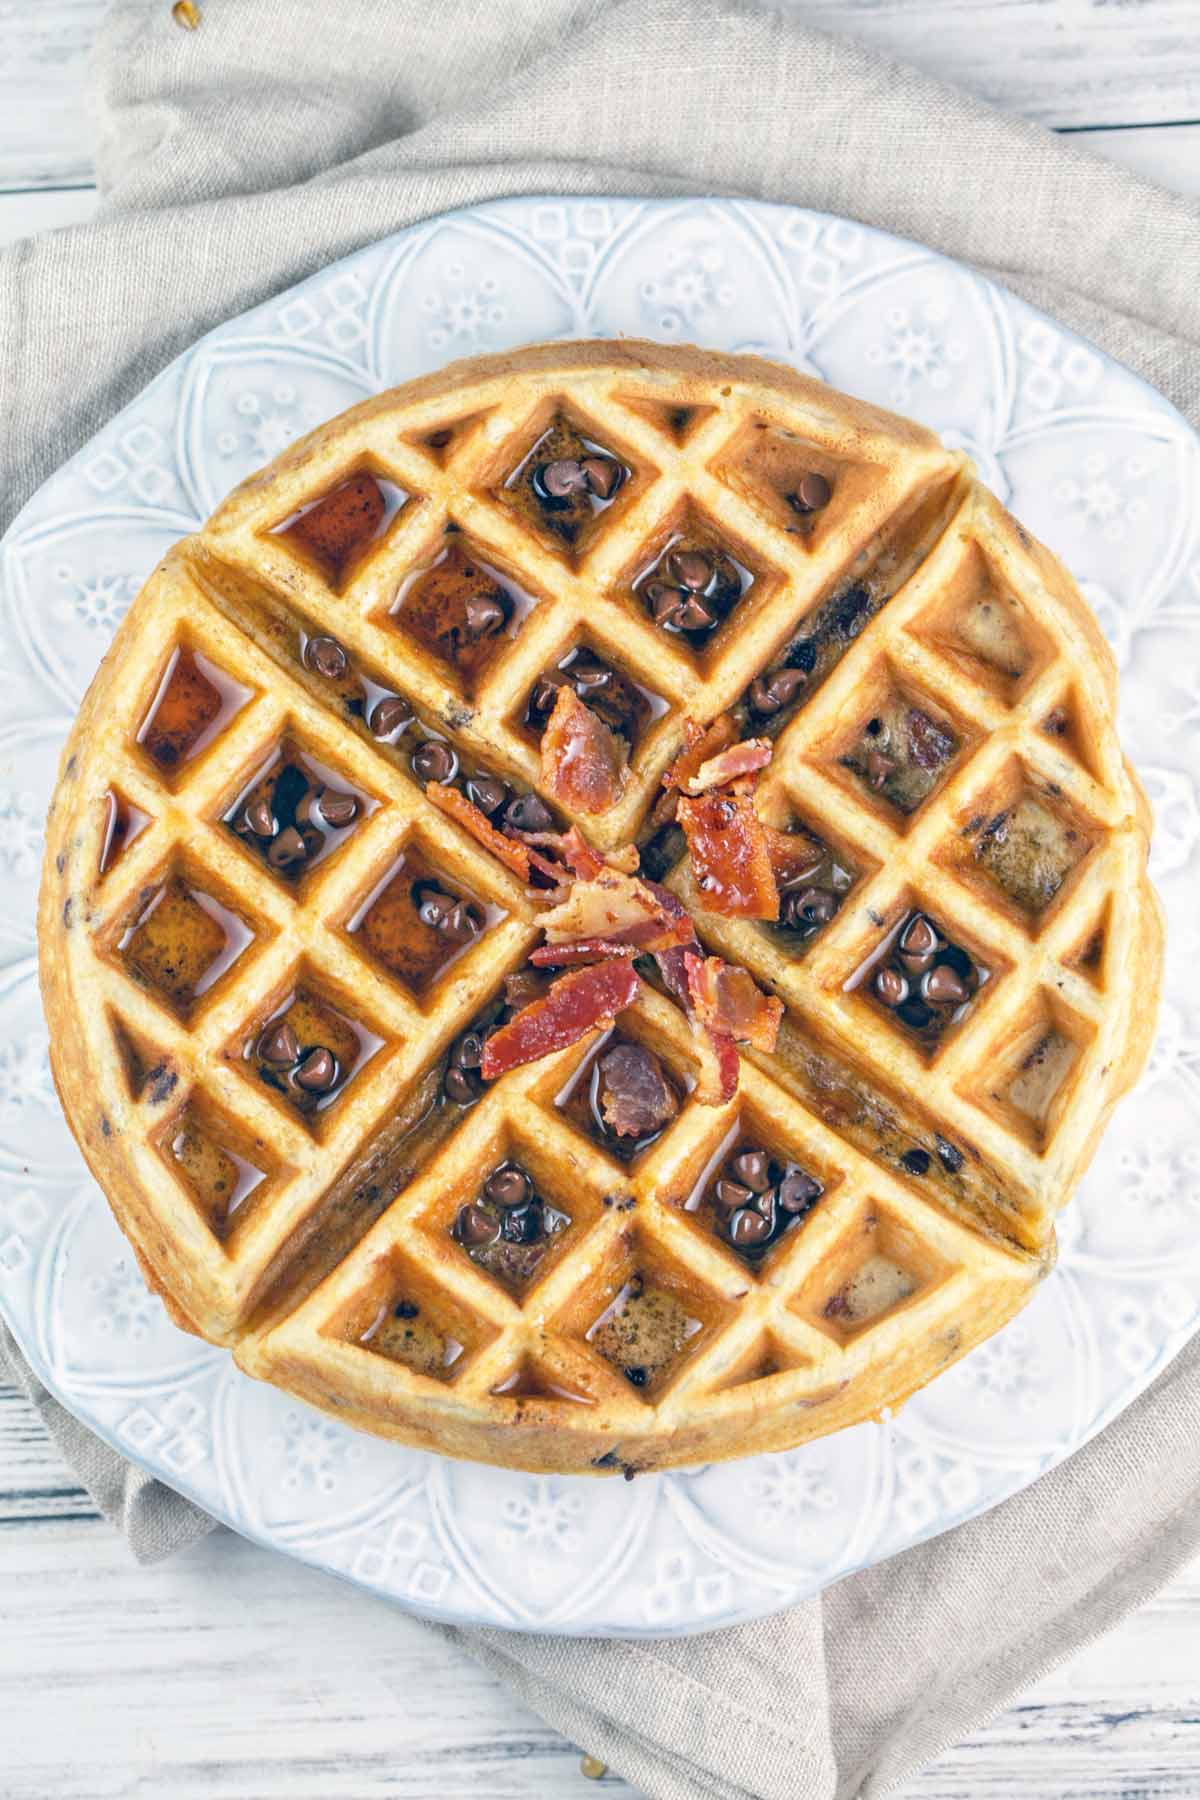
column 275, row 946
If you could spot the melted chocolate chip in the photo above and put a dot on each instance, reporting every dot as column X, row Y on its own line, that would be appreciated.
column 326, row 657
column 318, row 1073
column 508, row 1186
column 279, row 1045
column 388, row 715
column 434, row 761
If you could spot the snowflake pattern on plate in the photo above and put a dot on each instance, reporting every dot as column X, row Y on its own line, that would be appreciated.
column 1098, row 464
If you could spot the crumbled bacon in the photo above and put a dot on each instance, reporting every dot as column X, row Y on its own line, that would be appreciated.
column 574, row 1005
column 584, row 764
column 620, row 909
column 795, row 857
column 728, row 1000
column 508, row 850
column 700, row 745
column 746, row 758
column 731, row 860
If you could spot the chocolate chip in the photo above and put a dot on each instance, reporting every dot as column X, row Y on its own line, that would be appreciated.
column 485, row 616
column 473, row 1227
column 919, row 937
column 942, row 987
column 747, row 1228
column 433, row 904
column 337, row 810
column 488, row 794
column 434, row 761
column 279, row 1045
column 690, row 568
column 467, row 1053
column 694, row 615
column 558, row 479
column 318, row 1072
column 389, row 714
column 304, row 811
column 811, row 906
column 770, row 693
column 544, row 692
column 958, row 960
column 603, row 475
column 663, row 600
column 523, row 1224
column 528, row 813
column 286, row 849
column 812, row 492
column 950, row 1158
column 731, row 1194
column 459, row 1087
column 462, row 921
column 916, row 1161
column 798, row 1191
column 753, row 1169
column 890, row 987
column 260, row 819
column 507, row 1186
column 326, row 657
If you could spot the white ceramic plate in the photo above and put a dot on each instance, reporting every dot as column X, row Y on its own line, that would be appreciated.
column 1089, row 457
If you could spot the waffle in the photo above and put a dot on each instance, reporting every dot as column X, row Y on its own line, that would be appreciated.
column 266, row 1040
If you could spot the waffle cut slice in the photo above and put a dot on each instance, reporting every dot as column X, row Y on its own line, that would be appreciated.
column 594, row 914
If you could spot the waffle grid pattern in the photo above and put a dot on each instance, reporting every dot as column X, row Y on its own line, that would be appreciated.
column 225, row 594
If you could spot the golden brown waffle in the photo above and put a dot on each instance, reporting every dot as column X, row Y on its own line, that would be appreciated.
column 315, row 1238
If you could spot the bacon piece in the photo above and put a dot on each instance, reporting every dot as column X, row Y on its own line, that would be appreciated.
column 731, row 860
column 510, row 851
column 746, row 758
column 795, row 857
column 700, row 744
column 620, row 908
column 580, row 950
column 572, row 1007
column 584, row 764
column 728, row 1000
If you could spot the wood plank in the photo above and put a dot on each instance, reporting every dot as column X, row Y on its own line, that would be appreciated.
column 1168, row 154
column 222, row 1694
column 44, row 209
column 46, row 133
column 1058, row 61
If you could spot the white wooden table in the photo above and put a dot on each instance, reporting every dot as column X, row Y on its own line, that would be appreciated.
column 230, row 1672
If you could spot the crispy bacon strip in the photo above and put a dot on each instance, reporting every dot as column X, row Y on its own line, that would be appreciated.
column 728, row 1000
column 572, row 1007
column 731, row 860
column 510, row 851
column 584, row 764
column 700, row 744
column 746, row 758
column 580, row 950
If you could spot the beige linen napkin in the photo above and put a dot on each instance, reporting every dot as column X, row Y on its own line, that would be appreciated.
column 283, row 134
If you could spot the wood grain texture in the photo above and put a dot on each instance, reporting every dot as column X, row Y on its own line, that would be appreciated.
column 205, row 1678
column 1067, row 63
column 225, row 1691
